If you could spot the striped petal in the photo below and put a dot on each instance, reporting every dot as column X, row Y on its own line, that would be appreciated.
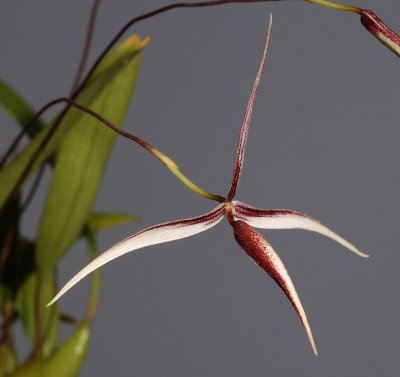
column 157, row 234
column 258, row 249
column 287, row 219
column 237, row 170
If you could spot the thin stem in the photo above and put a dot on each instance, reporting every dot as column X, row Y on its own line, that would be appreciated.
column 81, row 67
column 168, row 162
column 135, row 20
column 112, row 43
column 87, row 45
column 246, row 121
column 21, row 134
column 40, row 148
column 153, row 13
column 330, row 4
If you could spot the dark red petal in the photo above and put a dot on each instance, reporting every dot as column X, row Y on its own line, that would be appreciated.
column 380, row 30
column 246, row 121
column 258, row 249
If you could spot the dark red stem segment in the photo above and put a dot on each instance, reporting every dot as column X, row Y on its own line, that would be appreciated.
column 34, row 157
column 52, row 130
column 246, row 121
column 164, row 9
column 380, row 30
column 258, row 249
column 18, row 139
column 87, row 45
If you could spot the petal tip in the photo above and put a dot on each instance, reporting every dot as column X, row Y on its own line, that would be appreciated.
column 51, row 302
column 359, row 252
column 314, row 348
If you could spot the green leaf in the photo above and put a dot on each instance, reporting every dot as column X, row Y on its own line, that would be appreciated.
column 95, row 277
column 8, row 359
column 65, row 362
column 81, row 160
column 20, row 264
column 25, row 305
column 68, row 359
column 99, row 221
column 34, row 367
column 27, row 309
column 108, row 71
column 18, row 108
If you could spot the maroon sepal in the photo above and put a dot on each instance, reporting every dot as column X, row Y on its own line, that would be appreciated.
column 258, row 249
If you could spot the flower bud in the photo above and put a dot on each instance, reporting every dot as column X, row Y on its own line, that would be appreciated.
column 380, row 30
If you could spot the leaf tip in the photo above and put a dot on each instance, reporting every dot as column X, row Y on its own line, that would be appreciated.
column 134, row 41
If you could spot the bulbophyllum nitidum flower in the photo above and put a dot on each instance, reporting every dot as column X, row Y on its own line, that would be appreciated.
column 243, row 219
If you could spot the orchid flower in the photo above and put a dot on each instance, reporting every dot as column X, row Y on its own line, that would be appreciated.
column 242, row 217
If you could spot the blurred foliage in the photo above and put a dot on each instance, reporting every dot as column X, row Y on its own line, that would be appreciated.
column 77, row 153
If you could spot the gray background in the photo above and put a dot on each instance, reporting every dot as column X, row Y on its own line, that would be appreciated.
column 324, row 140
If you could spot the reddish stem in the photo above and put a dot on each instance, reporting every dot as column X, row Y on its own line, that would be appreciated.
column 153, row 13
column 35, row 156
column 86, row 48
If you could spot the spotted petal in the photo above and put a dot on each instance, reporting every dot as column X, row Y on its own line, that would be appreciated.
column 258, row 248
column 157, row 234
column 380, row 30
column 287, row 219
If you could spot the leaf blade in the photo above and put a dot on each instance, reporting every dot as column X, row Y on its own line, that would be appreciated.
column 81, row 161
column 96, row 85
column 18, row 108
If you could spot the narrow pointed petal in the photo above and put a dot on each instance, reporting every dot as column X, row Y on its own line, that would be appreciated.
column 246, row 121
column 157, row 234
column 258, row 249
column 287, row 219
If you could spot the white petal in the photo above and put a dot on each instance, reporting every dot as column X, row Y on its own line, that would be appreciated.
column 161, row 233
column 287, row 219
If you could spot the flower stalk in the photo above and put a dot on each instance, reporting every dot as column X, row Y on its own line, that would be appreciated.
column 330, row 4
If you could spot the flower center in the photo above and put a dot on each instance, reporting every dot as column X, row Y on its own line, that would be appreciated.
column 229, row 212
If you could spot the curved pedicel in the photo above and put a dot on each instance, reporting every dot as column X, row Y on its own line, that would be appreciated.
column 258, row 249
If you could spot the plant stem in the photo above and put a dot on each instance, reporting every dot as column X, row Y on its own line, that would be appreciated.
column 330, row 4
